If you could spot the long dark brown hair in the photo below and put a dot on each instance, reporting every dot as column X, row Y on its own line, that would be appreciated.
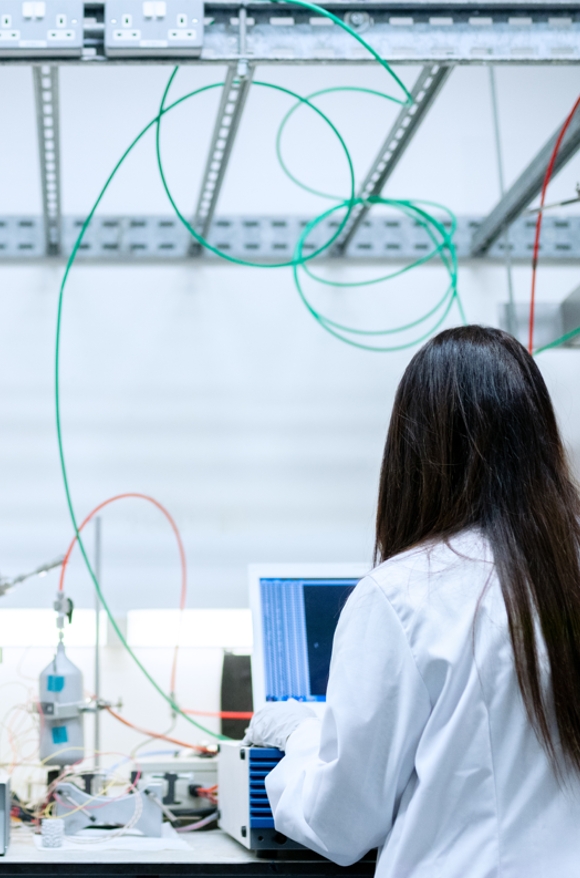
column 473, row 441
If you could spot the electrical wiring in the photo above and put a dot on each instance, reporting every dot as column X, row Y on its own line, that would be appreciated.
column 163, row 510
column 115, row 833
column 76, row 771
column 566, row 203
column 170, row 700
column 300, row 259
column 205, row 821
column 182, row 602
column 222, row 714
column 442, row 247
column 203, row 241
column 95, row 801
column 409, row 208
column 292, row 110
column 208, row 792
column 182, row 559
column 13, row 740
column 147, row 741
column 22, row 736
column 320, row 10
column 160, row 736
column 562, row 339
column 538, row 231
column 20, row 672
column 51, row 796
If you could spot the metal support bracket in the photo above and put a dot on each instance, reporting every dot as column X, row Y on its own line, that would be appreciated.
column 526, row 188
column 390, row 238
column 234, row 95
column 79, row 810
column 47, row 122
column 425, row 90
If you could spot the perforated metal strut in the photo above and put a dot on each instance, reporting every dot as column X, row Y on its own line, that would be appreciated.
column 47, row 121
column 268, row 238
column 235, row 92
column 526, row 187
column 428, row 84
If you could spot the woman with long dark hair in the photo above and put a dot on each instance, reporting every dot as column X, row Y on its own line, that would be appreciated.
column 451, row 736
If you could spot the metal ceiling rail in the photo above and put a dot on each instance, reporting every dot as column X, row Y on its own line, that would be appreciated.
column 425, row 90
column 234, row 95
column 401, row 31
column 384, row 237
column 526, row 187
column 47, row 123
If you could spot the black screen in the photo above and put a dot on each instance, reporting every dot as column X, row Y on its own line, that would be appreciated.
column 322, row 607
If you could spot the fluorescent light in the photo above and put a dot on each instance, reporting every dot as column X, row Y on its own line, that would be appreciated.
column 226, row 629
column 34, row 627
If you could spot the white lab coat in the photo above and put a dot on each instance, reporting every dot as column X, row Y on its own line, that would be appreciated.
column 425, row 750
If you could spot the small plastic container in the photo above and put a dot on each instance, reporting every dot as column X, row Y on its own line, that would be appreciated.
column 52, row 832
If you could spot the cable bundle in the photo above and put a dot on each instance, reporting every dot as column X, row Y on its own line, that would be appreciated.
column 372, row 339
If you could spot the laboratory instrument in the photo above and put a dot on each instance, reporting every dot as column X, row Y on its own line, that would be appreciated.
column 295, row 610
column 139, row 810
column 244, row 811
column 8, row 583
column 182, row 779
column 5, row 802
column 61, row 700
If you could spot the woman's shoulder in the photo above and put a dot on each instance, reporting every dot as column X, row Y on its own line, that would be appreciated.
column 440, row 553
column 439, row 575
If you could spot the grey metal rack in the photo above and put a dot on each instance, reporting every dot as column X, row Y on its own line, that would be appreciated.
column 385, row 237
column 437, row 34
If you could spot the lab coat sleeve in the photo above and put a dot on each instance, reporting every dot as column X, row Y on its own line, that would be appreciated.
column 338, row 788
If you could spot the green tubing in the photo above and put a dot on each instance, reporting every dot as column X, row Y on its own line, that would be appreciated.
column 558, row 341
column 440, row 237
column 392, row 348
column 409, row 209
column 168, row 698
column 203, row 241
column 290, row 113
column 442, row 248
column 154, row 122
column 346, row 27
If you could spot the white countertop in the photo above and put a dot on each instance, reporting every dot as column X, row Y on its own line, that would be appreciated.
column 204, row 847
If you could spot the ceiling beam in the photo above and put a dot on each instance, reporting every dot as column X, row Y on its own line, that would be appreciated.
column 526, row 187
column 425, row 90
column 234, row 95
column 47, row 124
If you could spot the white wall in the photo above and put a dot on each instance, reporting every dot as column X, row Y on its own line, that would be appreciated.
column 210, row 386
column 452, row 159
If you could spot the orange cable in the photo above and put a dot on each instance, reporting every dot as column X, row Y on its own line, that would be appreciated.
column 159, row 735
column 183, row 596
column 222, row 714
column 225, row 714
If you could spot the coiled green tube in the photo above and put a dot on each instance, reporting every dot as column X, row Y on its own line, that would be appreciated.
column 440, row 238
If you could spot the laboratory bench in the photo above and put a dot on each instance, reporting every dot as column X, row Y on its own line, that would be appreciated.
column 213, row 854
